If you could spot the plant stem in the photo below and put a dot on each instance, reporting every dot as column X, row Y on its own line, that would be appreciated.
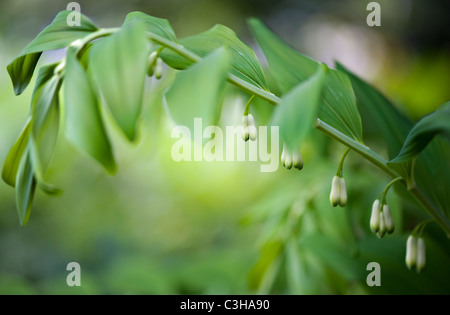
column 247, row 107
column 379, row 161
column 382, row 196
column 341, row 163
column 244, row 85
column 364, row 151
column 367, row 153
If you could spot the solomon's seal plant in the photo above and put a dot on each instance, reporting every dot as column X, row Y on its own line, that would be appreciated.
column 105, row 69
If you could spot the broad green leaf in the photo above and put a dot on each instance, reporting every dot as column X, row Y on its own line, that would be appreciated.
column 423, row 132
column 56, row 35
column 338, row 105
column 45, row 120
column 297, row 109
column 152, row 24
column 44, row 124
column 14, row 157
column 244, row 63
column 83, row 121
column 289, row 68
column 381, row 120
column 118, row 65
column 25, row 188
column 197, row 91
column 21, row 70
column 84, row 53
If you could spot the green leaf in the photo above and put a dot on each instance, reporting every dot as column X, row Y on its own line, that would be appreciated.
column 338, row 107
column 25, row 188
column 14, row 157
column 45, row 120
column 118, row 65
column 423, row 132
column 21, row 70
column 297, row 109
column 197, row 91
column 83, row 121
column 289, row 68
column 152, row 24
column 56, row 35
column 84, row 54
column 244, row 63
column 381, row 120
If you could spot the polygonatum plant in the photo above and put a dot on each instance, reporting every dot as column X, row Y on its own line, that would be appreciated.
column 105, row 69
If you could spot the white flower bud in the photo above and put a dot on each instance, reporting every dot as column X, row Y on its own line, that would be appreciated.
column 342, row 193
column 388, row 219
column 158, row 68
column 288, row 160
column 411, row 252
column 382, row 229
column 252, row 132
column 250, row 120
column 244, row 121
column 421, row 254
column 335, row 191
column 375, row 217
column 249, row 127
column 297, row 160
column 151, row 63
column 245, row 134
column 244, row 128
column 283, row 155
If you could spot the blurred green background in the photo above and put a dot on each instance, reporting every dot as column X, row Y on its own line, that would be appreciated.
column 161, row 227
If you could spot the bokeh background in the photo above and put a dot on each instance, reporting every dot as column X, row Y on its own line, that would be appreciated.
column 160, row 227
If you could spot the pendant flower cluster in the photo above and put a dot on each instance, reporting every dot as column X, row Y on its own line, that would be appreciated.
column 415, row 253
column 381, row 221
column 248, row 127
column 338, row 195
column 291, row 159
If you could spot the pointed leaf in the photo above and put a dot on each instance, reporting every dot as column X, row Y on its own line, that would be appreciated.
column 14, row 157
column 289, row 68
column 297, row 109
column 118, row 65
column 56, row 35
column 83, row 121
column 244, row 63
column 423, row 132
column 382, row 120
column 45, row 120
column 152, row 24
column 25, row 188
column 196, row 91
column 338, row 106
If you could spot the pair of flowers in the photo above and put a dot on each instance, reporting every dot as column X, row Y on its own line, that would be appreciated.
column 289, row 159
column 381, row 221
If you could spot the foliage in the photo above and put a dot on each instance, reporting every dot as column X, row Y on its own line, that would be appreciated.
column 104, row 72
